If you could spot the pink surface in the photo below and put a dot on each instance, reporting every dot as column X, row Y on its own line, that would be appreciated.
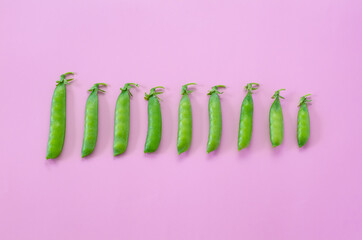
column 259, row 193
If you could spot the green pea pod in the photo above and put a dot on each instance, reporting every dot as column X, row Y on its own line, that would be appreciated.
column 246, row 117
column 121, row 120
column 276, row 125
column 184, row 133
column 154, row 131
column 215, row 121
column 303, row 129
column 58, row 118
column 91, row 120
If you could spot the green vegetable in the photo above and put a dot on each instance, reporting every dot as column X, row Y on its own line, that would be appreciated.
column 276, row 125
column 214, row 119
column 303, row 130
column 246, row 117
column 184, row 133
column 154, row 121
column 58, row 118
column 121, row 120
column 91, row 120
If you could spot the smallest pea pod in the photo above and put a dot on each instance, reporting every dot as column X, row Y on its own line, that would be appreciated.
column 154, row 131
column 303, row 125
column 276, row 124
column 91, row 120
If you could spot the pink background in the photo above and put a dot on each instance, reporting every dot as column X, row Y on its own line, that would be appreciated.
column 260, row 193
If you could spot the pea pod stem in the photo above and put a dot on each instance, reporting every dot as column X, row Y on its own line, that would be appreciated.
column 184, row 90
column 153, row 93
column 304, row 99
column 128, row 86
column 214, row 89
column 251, row 86
column 63, row 80
column 277, row 94
column 96, row 86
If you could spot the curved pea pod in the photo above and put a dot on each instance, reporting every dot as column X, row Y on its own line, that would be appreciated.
column 184, row 133
column 121, row 120
column 246, row 117
column 215, row 121
column 303, row 128
column 58, row 118
column 276, row 124
column 91, row 120
column 154, row 131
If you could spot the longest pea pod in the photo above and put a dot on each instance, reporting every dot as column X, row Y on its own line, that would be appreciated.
column 303, row 128
column 276, row 124
column 154, row 131
column 58, row 118
column 121, row 119
column 91, row 120
column 215, row 121
column 246, row 117
column 184, row 133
